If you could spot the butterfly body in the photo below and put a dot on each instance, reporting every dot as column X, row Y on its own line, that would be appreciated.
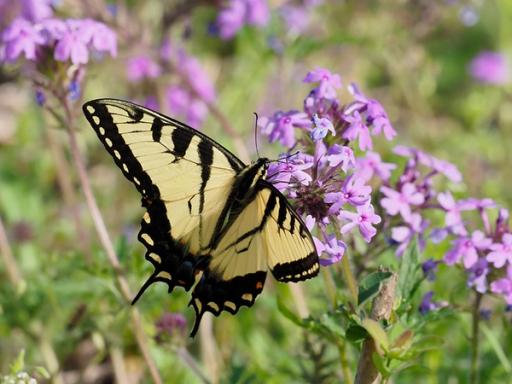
column 210, row 219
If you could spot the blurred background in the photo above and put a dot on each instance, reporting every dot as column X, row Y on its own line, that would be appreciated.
column 442, row 70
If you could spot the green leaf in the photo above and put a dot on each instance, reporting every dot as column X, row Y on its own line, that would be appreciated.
column 380, row 363
column 377, row 333
column 19, row 364
column 356, row 333
column 332, row 324
column 370, row 286
column 409, row 266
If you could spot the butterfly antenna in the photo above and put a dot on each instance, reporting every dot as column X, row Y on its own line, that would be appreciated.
column 256, row 133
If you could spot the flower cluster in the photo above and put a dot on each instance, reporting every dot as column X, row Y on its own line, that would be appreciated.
column 237, row 13
column 484, row 251
column 187, row 94
column 323, row 180
column 69, row 40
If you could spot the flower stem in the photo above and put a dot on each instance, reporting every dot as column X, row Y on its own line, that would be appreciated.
column 349, row 278
column 13, row 272
column 475, row 344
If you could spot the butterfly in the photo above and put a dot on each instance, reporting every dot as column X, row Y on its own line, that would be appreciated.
column 211, row 221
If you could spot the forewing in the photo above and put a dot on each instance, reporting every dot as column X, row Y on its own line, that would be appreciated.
column 184, row 178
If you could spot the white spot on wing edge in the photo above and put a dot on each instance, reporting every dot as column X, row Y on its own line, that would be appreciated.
column 90, row 109
column 147, row 239
column 96, row 120
column 109, row 142
column 102, row 130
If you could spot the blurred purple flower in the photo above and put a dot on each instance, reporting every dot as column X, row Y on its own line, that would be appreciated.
column 365, row 218
column 79, row 37
column 467, row 248
column 372, row 164
column 21, row 37
column 334, row 248
column 490, row 68
column 399, row 202
column 321, row 126
column 170, row 324
column 40, row 97
column 142, row 67
column 342, row 156
column 197, row 78
column 404, row 234
column 36, row 10
column 295, row 17
column 501, row 253
column 440, row 166
column 236, row 13
column 453, row 218
column 503, row 286
column 281, row 127
column 257, row 12
column 182, row 104
column 428, row 305
column 429, row 269
column 478, row 275
column 329, row 82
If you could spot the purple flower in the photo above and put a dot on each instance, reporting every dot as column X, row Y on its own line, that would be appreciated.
column 73, row 44
column 490, row 68
column 197, row 78
column 357, row 129
column 334, row 248
column 453, row 218
column 353, row 192
column 503, row 286
column 103, row 39
column 257, row 12
column 343, row 156
column 328, row 82
column 21, row 37
column 231, row 19
column 467, row 248
column 281, row 127
column 239, row 12
column 440, row 166
column 372, row 164
column 40, row 97
column 365, row 218
column 428, row 305
column 400, row 202
column 170, row 324
column 478, row 275
column 405, row 233
column 429, row 269
column 376, row 116
column 501, row 253
column 321, row 127
column 296, row 18
column 182, row 104
column 282, row 173
column 142, row 67
column 36, row 10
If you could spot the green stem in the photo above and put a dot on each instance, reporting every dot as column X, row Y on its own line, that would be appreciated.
column 349, row 278
column 345, row 368
column 473, row 373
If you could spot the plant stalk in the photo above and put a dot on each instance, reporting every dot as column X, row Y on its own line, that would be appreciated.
column 475, row 340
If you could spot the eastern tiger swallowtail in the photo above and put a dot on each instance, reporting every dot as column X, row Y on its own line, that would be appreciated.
column 207, row 212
